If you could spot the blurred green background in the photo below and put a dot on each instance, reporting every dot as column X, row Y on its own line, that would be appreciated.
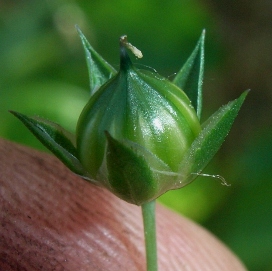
column 43, row 72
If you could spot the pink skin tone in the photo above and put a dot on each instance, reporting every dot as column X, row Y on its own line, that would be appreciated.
column 54, row 220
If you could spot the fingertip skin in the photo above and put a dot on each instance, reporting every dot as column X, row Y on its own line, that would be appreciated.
column 51, row 219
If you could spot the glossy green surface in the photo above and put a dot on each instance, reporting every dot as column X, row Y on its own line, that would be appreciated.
column 43, row 73
column 142, row 107
column 139, row 135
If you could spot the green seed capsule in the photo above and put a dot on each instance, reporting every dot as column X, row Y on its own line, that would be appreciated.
column 139, row 135
column 148, row 120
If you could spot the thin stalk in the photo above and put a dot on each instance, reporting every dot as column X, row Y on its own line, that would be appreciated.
column 149, row 219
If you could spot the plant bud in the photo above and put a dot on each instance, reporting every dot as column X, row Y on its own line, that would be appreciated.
column 139, row 135
column 138, row 118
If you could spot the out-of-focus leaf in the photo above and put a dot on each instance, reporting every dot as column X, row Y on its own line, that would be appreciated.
column 244, row 220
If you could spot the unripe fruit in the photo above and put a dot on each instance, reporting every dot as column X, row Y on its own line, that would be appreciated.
column 145, row 109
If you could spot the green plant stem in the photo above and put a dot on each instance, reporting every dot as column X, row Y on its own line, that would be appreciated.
column 149, row 219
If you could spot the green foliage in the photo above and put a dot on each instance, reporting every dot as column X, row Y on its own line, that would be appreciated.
column 210, row 139
column 56, row 139
column 119, row 156
column 99, row 70
column 190, row 77
column 42, row 64
column 129, row 106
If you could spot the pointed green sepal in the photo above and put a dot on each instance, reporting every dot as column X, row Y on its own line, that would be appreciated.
column 206, row 145
column 100, row 71
column 56, row 139
column 190, row 77
column 130, row 176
